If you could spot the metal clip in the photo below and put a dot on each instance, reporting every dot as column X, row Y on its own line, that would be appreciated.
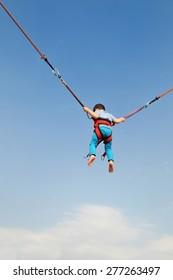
column 147, row 104
column 56, row 73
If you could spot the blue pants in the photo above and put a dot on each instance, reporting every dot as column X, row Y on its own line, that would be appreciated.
column 106, row 132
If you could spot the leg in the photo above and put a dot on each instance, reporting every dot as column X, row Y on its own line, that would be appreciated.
column 108, row 150
column 111, row 166
column 106, row 132
column 91, row 159
column 109, row 153
column 92, row 150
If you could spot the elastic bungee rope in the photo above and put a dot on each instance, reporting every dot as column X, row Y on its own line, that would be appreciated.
column 54, row 70
column 148, row 104
column 58, row 75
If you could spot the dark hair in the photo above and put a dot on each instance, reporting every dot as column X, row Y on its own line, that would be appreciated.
column 99, row 106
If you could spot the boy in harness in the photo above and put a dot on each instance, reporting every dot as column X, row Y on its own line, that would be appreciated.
column 102, row 132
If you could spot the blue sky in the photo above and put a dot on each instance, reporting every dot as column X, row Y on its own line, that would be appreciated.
column 52, row 205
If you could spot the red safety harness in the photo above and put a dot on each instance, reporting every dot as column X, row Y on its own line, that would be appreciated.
column 97, row 130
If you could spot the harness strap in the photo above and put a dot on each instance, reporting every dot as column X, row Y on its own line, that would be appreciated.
column 101, row 121
column 98, row 131
column 99, row 134
column 108, row 139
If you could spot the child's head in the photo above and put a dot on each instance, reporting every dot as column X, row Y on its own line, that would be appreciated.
column 99, row 107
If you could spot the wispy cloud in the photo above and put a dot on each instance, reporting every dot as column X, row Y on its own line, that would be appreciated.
column 91, row 232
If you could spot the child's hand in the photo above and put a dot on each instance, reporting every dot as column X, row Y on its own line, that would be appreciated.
column 92, row 114
column 119, row 120
column 86, row 109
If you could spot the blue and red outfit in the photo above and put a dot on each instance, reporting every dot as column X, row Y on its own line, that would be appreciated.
column 102, row 132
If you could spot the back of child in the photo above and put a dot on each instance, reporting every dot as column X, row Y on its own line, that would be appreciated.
column 103, row 122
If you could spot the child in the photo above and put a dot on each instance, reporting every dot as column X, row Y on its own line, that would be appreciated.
column 102, row 132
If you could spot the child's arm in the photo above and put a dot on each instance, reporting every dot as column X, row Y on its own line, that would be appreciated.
column 119, row 120
column 93, row 114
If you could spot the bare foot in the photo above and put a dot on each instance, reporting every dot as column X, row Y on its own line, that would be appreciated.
column 91, row 159
column 111, row 166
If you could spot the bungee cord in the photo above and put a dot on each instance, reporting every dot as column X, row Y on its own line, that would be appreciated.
column 54, row 70
column 58, row 75
column 147, row 104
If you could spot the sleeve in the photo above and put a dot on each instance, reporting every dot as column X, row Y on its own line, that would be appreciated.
column 98, row 112
column 112, row 117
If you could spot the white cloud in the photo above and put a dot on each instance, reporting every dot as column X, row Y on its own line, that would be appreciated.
column 91, row 232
